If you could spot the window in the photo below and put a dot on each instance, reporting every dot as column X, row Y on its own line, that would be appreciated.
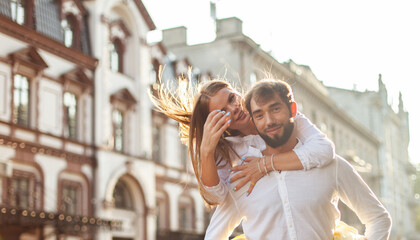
column 70, row 199
column 162, row 208
column 68, row 25
column 157, row 155
column 17, row 8
column 21, row 100
column 186, row 213
column 116, row 56
column 70, row 105
column 122, row 196
column 252, row 78
column 118, row 123
column 184, row 156
column 153, row 76
column 19, row 193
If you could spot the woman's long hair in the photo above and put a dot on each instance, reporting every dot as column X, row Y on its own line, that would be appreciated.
column 189, row 106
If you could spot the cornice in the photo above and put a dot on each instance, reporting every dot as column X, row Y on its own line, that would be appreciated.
column 40, row 41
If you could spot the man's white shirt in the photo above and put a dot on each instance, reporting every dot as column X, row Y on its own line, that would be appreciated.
column 299, row 204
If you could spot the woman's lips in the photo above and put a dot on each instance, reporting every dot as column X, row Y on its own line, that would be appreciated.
column 241, row 116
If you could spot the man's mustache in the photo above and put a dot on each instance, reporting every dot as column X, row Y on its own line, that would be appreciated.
column 273, row 126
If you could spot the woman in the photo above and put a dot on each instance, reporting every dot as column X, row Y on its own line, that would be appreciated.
column 215, row 127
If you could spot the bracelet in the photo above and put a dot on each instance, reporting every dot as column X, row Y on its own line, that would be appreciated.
column 265, row 167
column 259, row 168
column 272, row 165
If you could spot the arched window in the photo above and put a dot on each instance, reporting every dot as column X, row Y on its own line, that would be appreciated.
column 69, row 25
column 122, row 196
column 71, row 197
column 116, row 56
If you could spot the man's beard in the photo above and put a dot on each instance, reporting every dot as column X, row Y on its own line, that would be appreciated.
column 278, row 141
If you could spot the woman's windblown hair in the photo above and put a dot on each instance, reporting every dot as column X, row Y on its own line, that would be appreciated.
column 176, row 102
column 188, row 104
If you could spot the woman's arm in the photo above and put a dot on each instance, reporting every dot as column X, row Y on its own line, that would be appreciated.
column 217, row 122
column 316, row 150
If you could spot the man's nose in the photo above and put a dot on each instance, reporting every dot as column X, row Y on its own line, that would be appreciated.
column 269, row 120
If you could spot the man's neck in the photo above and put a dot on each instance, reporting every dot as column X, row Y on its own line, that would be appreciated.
column 288, row 146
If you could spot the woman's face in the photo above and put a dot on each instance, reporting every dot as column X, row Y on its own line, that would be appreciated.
column 230, row 101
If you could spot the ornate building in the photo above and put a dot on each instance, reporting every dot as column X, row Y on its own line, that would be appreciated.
column 83, row 153
column 46, row 122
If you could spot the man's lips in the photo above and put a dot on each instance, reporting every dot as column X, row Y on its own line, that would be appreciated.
column 273, row 130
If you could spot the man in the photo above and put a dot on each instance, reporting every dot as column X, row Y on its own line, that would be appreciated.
column 293, row 204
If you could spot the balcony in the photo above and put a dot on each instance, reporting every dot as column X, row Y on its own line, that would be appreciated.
column 178, row 235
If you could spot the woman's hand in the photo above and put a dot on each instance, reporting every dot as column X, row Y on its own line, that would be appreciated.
column 248, row 172
column 217, row 122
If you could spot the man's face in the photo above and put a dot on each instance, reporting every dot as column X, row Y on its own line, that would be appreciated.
column 273, row 120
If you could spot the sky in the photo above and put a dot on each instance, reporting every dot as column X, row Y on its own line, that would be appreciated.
column 347, row 44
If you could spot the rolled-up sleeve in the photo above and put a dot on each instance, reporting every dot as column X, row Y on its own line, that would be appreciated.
column 316, row 149
column 357, row 195
column 218, row 193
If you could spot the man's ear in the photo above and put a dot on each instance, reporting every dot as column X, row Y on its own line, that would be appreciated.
column 293, row 108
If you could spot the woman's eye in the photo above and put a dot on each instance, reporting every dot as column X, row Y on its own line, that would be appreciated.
column 232, row 98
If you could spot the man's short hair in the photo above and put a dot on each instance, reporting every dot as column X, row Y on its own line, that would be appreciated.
column 267, row 89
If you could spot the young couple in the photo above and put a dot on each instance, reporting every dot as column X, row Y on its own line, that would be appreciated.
column 243, row 161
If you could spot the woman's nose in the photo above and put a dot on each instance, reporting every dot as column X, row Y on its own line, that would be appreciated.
column 234, row 108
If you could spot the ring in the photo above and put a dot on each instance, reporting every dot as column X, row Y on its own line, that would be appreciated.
column 252, row 183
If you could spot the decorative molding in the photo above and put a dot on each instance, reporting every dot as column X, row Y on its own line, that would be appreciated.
column 40, row 41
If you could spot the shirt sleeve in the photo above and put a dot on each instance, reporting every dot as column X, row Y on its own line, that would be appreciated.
column 357, row 195
column 224, row 220
column 218, row 193
column 316, row 149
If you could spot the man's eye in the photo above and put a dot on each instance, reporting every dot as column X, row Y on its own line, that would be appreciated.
column 276, row 109
column 258, row 116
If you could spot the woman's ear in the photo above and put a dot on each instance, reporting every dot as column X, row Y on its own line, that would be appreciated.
column 293, row 108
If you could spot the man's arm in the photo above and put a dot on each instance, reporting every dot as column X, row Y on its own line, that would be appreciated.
column 224, row 220
column 357, row 195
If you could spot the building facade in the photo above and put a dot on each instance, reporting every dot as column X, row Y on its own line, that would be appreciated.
column 84, row 155
column 46, row 122
column 392, row 128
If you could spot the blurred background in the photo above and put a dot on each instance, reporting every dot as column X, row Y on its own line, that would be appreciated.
column 84, row 154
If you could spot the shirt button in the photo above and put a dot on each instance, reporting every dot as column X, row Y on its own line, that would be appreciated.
column 285, row 201
column 290, row 226
column 281, row 178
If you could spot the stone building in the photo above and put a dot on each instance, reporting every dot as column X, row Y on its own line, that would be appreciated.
column 371, row 108
column 83, row 153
